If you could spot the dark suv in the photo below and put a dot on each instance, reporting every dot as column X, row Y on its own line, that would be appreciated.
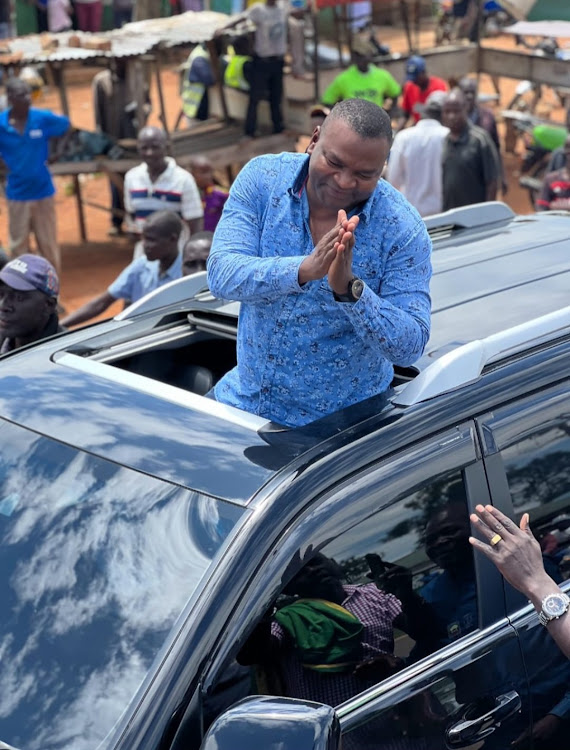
column 146, row 530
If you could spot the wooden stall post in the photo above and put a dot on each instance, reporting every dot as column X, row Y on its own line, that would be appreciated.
column 157, row 59
column 57, row 70
column 216, row 68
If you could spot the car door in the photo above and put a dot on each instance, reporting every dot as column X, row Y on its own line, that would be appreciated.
column 527, row 454
column 453, row 672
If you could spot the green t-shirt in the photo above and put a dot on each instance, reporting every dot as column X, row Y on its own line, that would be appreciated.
column 373, row 85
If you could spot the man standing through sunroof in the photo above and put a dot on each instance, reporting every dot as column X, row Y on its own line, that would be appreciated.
column 332, row 267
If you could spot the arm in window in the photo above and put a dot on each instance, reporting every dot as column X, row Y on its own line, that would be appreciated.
column 518, row 557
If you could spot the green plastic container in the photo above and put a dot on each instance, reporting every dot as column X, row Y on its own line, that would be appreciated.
column 550, row 137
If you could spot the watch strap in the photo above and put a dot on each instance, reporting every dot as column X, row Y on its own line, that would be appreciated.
column 350, row 296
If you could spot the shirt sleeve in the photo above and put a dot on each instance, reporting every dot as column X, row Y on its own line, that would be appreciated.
column 333, row 93
column 397, row 319
column 55, row 125
column 491, row 163
column 235, row 270
column 396, row 174
column 122, row 287
column 191, row 206
column 392, row 87
column 407, row 103
column 562, row 708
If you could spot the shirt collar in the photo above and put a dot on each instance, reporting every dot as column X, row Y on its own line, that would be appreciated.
column 175, row 270
column 298, row 188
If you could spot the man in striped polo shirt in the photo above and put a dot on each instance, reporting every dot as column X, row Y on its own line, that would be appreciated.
column 159, row 184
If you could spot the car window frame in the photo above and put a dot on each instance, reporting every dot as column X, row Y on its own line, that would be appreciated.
column 456, row 448
column 491, row 427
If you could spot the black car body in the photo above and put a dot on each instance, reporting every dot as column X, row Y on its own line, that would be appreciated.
column 147, row 529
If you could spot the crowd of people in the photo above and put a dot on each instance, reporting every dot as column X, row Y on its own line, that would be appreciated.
column 331, row 265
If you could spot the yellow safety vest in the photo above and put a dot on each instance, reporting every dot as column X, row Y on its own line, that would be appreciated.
column 233, row 75
column 192, row 93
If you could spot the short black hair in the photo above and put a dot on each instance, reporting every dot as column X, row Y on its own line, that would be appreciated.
column 168, row 223
column 367, row 119
column 4, row 258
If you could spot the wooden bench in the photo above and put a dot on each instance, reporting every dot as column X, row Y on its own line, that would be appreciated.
column 221, row 144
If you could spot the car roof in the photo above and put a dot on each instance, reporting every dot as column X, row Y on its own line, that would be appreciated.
column 491, row 280
column 488, row 276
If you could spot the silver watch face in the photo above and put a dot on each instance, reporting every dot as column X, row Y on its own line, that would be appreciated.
column 554, row 605
column 357, row 288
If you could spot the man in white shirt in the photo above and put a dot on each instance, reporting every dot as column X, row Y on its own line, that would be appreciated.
column 414, row 166
column 159, row 184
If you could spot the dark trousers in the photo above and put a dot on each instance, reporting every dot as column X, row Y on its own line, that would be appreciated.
column 266, row 80
column 116, row 204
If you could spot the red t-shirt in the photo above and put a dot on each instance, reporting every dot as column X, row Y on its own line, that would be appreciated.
column 413, row 94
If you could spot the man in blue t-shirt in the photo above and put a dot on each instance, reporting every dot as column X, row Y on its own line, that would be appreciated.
column 25, row 133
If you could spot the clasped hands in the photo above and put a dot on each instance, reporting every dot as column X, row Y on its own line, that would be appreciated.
column 332, row 256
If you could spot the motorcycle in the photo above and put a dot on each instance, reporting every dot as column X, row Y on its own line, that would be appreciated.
column 540, row 140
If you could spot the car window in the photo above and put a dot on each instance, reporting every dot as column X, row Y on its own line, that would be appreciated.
column 96, row 563
column 536, row 456
column 392, row 590
column 533, row 439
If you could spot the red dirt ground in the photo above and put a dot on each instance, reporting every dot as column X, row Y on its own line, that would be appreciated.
column 89, row 267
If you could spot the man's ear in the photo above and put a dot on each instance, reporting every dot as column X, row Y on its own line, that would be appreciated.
column 314, row 138
column 51, row 304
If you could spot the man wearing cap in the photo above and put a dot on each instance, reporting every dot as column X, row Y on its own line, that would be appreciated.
column 25, row 133
column 362, row 80
column 28, row 302
column 417, row 88
column 414, row 167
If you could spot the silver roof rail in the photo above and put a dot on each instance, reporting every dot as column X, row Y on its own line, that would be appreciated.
column 178, row 290
column 469, row 217
column 465, row 364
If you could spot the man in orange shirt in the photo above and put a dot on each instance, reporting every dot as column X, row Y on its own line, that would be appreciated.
column 417, row 88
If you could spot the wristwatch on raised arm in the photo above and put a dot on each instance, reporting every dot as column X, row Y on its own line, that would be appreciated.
column 355, row 289
column 553, row 607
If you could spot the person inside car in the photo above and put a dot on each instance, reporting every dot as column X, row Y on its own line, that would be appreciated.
column 321, row 643
column 29, row 286
column 160, row 264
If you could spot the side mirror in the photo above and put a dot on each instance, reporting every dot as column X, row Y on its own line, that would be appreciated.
column 268, row 723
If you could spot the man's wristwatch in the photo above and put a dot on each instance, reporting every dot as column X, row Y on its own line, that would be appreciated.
column 553, row 607
column 354, row 293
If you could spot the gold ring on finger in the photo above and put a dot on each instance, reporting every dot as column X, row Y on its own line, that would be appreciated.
column 495, row 540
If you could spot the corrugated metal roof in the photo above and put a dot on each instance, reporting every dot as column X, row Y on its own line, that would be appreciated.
column 131, row 40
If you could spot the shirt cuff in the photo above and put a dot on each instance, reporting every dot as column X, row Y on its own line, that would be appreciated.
column 562, row 709
column 289, row 275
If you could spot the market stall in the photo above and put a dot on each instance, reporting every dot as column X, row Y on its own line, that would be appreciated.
column 143, row 46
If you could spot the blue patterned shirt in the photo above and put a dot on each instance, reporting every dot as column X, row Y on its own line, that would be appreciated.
column 301, row 354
